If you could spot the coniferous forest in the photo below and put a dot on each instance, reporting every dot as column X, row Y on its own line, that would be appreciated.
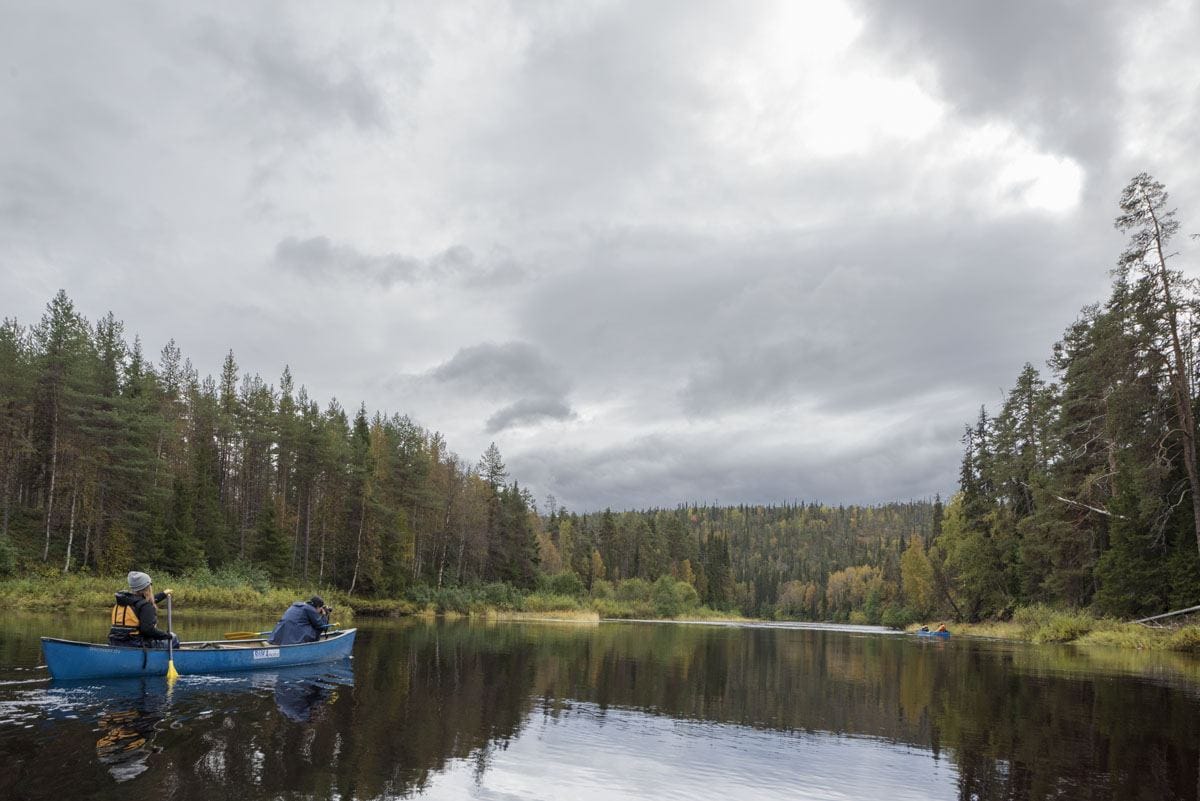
column 1081, row 491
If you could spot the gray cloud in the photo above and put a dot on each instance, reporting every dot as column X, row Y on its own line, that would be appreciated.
column 484, row 374
column 666, row 469
column 507, row 368
column 278, row 74
column 1053, row 68
column 528, row 411
column 320, row 259
column 688, row 286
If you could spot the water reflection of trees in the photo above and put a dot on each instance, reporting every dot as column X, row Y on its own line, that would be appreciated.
column 1021, row 723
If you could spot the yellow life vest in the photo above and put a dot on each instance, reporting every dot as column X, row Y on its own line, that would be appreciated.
column 125, row 619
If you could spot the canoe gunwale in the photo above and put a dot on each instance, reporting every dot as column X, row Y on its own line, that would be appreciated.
column 183, row 646
column 71, row 659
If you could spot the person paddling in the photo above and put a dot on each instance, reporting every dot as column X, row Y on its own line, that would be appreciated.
column 135, row 616
column 303, row 621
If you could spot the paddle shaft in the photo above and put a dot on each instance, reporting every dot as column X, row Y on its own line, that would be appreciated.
column 170, row 632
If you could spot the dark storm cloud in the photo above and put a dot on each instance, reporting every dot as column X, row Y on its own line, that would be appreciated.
column 510, row 368
column 528, row 411
column 492, row 372
column 320, row 259
column 1051, row 67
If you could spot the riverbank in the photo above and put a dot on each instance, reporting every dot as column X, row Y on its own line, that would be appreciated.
column 210, row 592
column 231, row 591
column 1041, row 624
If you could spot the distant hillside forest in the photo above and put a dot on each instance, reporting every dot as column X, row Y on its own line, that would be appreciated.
column 1082, row 491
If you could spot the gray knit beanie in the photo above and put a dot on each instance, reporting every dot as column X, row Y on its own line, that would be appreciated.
column 138, row 581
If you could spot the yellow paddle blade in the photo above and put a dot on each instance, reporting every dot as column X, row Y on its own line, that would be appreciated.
column 172, row 673
column 245, row 635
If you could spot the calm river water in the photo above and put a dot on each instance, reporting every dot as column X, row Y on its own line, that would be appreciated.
column 611, row 711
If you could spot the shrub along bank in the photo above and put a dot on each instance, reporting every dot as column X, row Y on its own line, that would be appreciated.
column 230, row 589
column 243, row 588
column 1043, row 624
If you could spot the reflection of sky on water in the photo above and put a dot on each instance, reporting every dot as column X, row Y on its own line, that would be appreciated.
column 623, row 710
column 589, row 753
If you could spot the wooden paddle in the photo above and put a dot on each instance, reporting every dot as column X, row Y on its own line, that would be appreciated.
column 172, row 673
column 246, row 635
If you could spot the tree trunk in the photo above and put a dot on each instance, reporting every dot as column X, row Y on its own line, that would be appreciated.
column 87, row 544
column 53, row 477
column 70, row 531
column 1179, row 380
column 307, row 532
column 321, row 574
column 8, row 471
column 362, row 519
column 296, row 538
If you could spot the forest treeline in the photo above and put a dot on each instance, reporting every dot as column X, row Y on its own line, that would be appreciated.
column 111, row 461
column 1082, row 490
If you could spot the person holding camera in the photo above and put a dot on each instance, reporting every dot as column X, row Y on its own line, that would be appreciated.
column 303, row 621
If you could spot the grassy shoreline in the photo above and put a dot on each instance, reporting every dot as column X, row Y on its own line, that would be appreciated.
column 1041, row 624
column 233, row 592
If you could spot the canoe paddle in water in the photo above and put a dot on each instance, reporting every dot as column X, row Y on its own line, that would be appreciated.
column 172, row 673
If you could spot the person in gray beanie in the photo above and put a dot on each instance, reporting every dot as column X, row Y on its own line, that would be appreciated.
column 135, row 616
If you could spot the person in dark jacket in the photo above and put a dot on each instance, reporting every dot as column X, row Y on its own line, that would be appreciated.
column 304, row 621
column 135, row 616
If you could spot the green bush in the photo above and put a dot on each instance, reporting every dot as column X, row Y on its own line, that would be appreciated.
column 564, row 583
column 231, row 576
column 602, row 589
column 634, row 589
column 1186, row 639
column 548, row 602
column 452, row 599
column 897, row 617
column 1032, row 616
column 383, row 607
column 624, row 610
column 672, row 598
column 499, row 595
column 8, row 557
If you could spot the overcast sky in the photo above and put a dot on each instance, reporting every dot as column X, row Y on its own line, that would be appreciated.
column 656, row 251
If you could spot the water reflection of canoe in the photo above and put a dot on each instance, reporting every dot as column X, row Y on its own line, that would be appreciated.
column 80, row 660
column 945, row 635
column 130, row 712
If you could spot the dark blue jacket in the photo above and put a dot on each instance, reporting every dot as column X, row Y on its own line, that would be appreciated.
column 300, row 623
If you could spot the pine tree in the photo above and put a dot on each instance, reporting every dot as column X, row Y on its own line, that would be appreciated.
column 270, row 545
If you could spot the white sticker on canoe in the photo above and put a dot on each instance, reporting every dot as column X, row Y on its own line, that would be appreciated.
column 267, row 653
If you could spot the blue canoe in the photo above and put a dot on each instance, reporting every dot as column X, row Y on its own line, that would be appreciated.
column 945, row 635
column 83, row 660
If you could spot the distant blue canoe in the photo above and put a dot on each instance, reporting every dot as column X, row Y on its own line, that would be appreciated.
column 945, row 635
column 81, row 660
